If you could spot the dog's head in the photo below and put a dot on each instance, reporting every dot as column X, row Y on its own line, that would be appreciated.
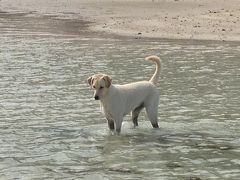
column 100, row 83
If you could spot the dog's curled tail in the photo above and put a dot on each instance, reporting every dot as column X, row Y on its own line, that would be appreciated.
column 156, row 74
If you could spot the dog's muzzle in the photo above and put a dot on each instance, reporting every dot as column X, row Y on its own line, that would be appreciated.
column 96, row 97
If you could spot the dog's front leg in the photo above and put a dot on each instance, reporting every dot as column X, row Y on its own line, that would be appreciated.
column 118, row 123
column 110, row 124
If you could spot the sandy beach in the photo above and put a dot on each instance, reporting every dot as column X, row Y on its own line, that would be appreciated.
column 173, row 19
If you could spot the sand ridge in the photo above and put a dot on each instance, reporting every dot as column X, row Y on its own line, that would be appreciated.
column 173, row 19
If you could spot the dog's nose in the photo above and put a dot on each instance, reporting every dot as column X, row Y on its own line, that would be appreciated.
column 96, row 98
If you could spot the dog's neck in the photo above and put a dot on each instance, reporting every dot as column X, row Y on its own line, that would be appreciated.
column 108, row 95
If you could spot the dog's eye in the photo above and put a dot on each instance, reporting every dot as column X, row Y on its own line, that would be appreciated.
column 101, row 87
column 94, row 87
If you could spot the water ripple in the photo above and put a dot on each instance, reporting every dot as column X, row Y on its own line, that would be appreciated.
column 51, row 128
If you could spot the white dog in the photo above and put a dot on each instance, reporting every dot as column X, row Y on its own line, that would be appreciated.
column 119, row 100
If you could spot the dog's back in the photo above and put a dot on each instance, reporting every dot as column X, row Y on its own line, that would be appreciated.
column 137, row 93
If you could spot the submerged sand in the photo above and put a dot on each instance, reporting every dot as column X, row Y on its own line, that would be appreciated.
column 173, row 19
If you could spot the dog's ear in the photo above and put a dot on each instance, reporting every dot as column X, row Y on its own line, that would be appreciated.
column 90, row 80
column 108, row 81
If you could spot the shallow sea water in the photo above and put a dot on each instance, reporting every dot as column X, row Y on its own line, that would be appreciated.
column 51, row 128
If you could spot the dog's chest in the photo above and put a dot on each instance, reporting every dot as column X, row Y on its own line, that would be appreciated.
column 108, row 112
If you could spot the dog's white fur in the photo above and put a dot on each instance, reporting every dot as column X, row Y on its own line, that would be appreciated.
column 119, row 100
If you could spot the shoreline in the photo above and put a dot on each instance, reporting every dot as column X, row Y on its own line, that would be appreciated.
column 160, row 19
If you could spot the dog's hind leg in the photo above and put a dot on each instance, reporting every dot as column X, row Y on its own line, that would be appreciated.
column 152, row 116
column 135, row 114
column 152, row 113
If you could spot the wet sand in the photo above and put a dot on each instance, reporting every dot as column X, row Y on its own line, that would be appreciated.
column 173, row 19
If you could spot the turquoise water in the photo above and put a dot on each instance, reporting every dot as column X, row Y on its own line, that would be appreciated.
column 51, row 128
